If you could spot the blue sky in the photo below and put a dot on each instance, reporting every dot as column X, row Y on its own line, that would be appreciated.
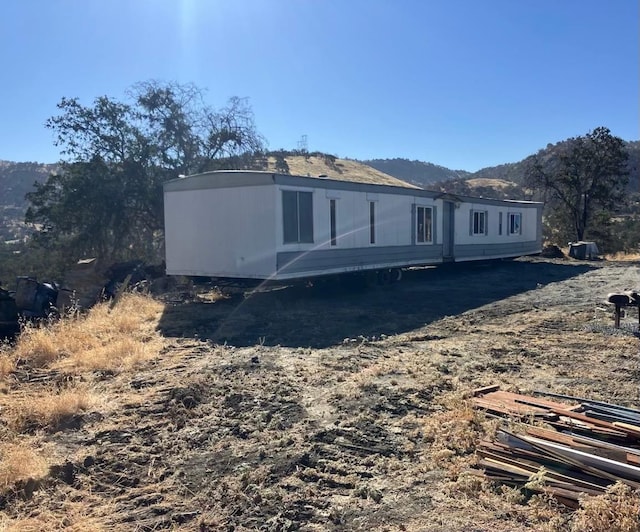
column 461, row 83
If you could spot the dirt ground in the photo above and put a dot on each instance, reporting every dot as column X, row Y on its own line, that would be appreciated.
column 320, row 408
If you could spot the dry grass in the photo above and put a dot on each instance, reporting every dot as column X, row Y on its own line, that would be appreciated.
column 40, row 346
column 623, row 257
column 119, row 354
column 72, row 517
column 487, row 182
column 104, row 339
column 211, row 296
column 17, row 463
column 453, row 432
column 47, row 409
column 343, row 170
column 373, row 434
column 7, row 364
column 618, row 510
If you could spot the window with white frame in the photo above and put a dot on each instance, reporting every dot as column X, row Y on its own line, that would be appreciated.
column 478, row 222
column 515, row 223
column 297, row 217
column 500, row 223
column 424, row 225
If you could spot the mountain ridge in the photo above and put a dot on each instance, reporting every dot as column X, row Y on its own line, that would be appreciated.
column 501, row 181
column 419, row 173
column 429, row 173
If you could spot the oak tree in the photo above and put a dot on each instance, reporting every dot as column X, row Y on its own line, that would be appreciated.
column 580, row 178
column 106, row 197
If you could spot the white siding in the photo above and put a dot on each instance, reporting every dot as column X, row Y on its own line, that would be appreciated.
column 221, row 232
column 393, row 219
column 230, row 224
column 464, row 236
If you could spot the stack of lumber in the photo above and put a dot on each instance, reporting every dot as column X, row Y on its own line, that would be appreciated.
column 566, row 450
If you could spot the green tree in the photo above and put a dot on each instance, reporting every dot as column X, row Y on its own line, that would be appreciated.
column 580, row 178
column 106, row 197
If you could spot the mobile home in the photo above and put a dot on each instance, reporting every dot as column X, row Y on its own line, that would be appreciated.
column 263, row 225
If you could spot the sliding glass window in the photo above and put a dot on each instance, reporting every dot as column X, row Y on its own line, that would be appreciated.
column 297, row 217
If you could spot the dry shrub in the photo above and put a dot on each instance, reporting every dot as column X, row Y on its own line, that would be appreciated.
column 468, row 484
column 103, row 339
column 48, row 409
column 18, row 462
column 548, row 513
column 617, row 510
column 457, row 430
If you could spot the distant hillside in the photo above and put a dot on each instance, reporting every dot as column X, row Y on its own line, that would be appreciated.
column 417, row 172
column 515, row 171
column 16, row 180
column 319, row 164
column 482, row 188
column 502, row 181
column 507, row 172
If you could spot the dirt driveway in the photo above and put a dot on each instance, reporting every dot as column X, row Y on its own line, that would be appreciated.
column 326, row 314
column 323, row 409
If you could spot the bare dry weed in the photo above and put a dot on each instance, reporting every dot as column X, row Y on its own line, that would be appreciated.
column 40, row 346
column 17, row 463
column 72, row 517
column 623, row 257
column 618, row 510
column 47, row 409
column 453, row 432
column 7, row 364
column 104, row 339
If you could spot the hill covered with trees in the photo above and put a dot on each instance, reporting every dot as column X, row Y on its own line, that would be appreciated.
column 516, row 171
column 429, row 175
column 16, row 181
column 416, row 172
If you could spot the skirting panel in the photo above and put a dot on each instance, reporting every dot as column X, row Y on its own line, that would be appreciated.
column 331, row 259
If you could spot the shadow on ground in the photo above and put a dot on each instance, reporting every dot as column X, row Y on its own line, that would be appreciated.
column 326, row 314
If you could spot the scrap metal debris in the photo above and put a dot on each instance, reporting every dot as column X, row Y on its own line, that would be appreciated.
column 9, row 323
column 34, row 299
column 565, row 450
column 85, row 284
